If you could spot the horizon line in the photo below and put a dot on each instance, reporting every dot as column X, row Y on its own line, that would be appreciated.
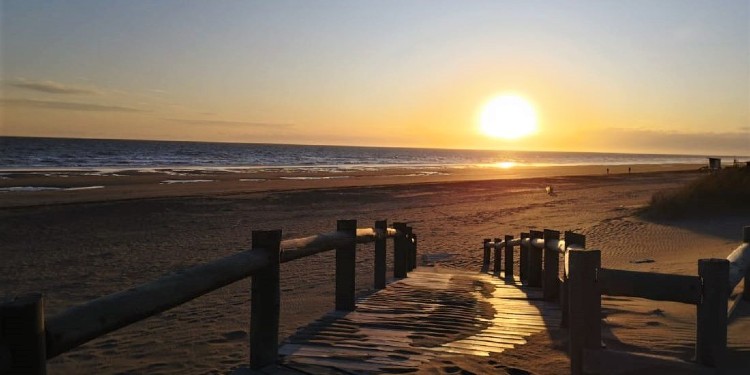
column 370, row 146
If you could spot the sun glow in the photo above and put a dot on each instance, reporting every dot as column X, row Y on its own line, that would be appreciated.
column 508, row 117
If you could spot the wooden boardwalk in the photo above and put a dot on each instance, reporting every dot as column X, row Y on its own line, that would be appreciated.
column 432, row 313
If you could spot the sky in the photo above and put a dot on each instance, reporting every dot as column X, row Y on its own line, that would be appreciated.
column 610, row 76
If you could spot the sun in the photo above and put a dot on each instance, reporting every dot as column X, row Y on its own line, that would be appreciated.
column 508, row 117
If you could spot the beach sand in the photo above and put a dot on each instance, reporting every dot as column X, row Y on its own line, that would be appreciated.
column 76, row 245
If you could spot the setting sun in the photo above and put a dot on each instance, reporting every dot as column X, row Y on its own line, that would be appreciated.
column 509, row 117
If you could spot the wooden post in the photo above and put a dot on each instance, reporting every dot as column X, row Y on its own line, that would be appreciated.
column 23, row 335
column 711, row 335
column 265, row 301
column 380, row 245
column 409, row 249
column 746, row 290
column 585, row 306
column 535, row 261
column 570, row 239
column 486, row 255
column 497, row 265
column 508, row 259
column 551, row 281
column 346, row 266
column 399, row 251
column 523, row 260
column 414, row 250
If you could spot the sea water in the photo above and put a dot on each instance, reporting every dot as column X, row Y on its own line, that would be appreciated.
column 20, row 153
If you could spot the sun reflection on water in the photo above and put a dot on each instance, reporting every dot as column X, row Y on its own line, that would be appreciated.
column 505, row 164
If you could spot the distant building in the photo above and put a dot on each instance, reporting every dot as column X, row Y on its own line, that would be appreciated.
column 714, row 164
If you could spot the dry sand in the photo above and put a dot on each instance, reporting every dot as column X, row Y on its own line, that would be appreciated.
column 77, row 245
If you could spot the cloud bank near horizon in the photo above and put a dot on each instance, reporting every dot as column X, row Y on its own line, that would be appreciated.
column 52, row 87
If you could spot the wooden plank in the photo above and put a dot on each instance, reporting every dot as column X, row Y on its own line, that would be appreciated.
column 494, row 348
column 389, row 325
column 477, row 353
column 677, row 288
column 352, row 366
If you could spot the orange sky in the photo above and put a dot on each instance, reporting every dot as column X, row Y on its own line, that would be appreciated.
column 626, row 77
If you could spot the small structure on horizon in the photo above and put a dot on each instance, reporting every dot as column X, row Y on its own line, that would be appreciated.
column 714, row 165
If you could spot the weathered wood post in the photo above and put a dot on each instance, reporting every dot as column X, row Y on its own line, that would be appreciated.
column 399, row 251
column 711, row 335
column 497, row 265
column 571, row 239
column 410, row 249
column 585, row 306
column 551, row 280
column 746, row 291
column 486, row 255
column 508, row 259
column 265, row 301
column 535, row 260
column 22, row 335
column 346, row 266
column 381, row 226
column 414, row 250
column 523, row 259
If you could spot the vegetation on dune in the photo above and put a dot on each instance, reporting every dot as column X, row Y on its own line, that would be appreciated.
column 725, row 192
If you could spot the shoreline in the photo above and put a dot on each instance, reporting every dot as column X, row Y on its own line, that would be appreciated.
column 45, row 187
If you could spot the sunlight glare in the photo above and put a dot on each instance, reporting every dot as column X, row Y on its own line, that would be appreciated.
column 505, row 164
column 508, row 117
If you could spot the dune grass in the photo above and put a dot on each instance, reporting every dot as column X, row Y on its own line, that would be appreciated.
column 726, row 192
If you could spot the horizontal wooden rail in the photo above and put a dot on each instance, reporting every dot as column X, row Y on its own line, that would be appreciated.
column 654, row 286
column 739, row 264
column 302, row 247
column 80, row 324
column 539, row 243
column 583, row 283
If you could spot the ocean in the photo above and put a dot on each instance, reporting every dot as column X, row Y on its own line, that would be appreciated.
column 20, row 153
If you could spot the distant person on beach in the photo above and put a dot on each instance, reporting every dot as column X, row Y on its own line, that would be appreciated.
column 628, row 170
column 607, row 170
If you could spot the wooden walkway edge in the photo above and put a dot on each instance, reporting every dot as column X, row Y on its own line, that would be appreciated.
column 432, row 313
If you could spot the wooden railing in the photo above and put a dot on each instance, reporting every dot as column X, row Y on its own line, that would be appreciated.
column 28, row 340
column 583, row 281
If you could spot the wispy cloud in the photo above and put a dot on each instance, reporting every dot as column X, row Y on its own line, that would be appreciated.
column 51, row 87
column 237, row 123
column 68, row 106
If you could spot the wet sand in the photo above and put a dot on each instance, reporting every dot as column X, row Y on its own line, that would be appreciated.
column 75, row 245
